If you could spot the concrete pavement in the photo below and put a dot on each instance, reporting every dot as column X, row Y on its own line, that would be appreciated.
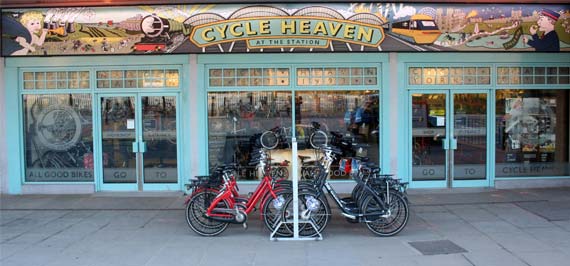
column 447, row 227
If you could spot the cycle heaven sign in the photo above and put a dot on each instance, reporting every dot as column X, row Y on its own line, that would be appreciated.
column 285, row 28
column 307, row 32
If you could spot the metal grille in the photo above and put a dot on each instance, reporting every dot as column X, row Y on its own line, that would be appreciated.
column 437, row 247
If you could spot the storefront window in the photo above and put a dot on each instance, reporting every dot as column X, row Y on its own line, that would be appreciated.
column 58, row 137
column 350, row 119
column 532, row 133
column 237, row 119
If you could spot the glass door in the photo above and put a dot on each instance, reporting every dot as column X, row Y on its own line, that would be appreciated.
column 159, row 133
column 470, row 139
column 139, row 148
column 445, row 154
column 429, row 130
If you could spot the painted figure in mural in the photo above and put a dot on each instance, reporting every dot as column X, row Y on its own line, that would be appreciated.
column 549, row 41
column 33, row 35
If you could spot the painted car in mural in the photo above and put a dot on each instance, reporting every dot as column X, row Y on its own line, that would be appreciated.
column 349, row 27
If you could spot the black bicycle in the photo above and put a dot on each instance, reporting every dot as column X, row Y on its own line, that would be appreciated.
column 377, row 200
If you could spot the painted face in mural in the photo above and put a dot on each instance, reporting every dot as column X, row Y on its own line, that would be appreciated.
column 33, row 25
column 545, row 24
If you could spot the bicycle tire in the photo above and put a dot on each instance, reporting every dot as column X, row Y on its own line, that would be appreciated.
column 320, row 216
column 279, row 172
column 392, row 225
column 269, row 140
column 282, row 172
column 272, row 213
column 318, row 139
column 310, row 172
column 196, row 214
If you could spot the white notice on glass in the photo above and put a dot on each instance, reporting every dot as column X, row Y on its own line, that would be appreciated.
column 130, row 124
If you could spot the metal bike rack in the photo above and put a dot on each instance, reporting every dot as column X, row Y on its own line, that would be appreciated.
column 272, row 237
column 296, row 221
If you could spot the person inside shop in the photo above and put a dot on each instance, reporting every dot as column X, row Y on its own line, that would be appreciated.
column 298, row 102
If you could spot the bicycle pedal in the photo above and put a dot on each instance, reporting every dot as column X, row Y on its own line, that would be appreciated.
column 244, row 226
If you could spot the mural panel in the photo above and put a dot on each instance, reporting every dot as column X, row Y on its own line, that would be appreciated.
column 285, row 28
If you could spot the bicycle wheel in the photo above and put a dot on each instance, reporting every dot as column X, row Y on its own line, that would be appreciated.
column 318, row 139
column 196, row 215
column 386, row 226
column 269, row 140
column 273, row 213
column 314, row 213
column 310, row 172
column 279, row 172
column 282, row 172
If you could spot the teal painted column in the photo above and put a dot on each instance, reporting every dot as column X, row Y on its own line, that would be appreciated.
column 3, row 151
column 13, row 131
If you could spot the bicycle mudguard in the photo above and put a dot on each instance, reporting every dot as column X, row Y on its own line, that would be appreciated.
column 196, row 191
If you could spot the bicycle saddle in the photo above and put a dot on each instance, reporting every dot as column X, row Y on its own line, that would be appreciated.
column 332, row 149
column 316, row 125
column 336, row 134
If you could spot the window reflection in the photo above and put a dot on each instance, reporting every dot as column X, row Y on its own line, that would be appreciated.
column 350, row 119
column 58, row 137
column 532, row 133
column 159, row 133
column 237, row 119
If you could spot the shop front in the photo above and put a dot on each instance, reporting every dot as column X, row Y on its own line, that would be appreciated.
column 141, row 98
column 478, row 123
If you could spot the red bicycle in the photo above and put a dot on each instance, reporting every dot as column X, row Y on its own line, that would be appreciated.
column 211, row 208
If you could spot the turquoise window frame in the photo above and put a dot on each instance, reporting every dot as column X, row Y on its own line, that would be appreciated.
column 138, row 135
column 450, row 127
column 293, row 62
column 15, row 67
column 494, row 60
column 558, row 60
column 22, row 92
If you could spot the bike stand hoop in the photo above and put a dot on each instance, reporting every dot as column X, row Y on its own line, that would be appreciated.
column 318, row 237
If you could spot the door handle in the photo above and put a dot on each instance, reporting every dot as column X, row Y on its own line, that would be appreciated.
column 142, row 146
column 445, row 143
column 139, row 146
column 454, row 144
column 135, row 147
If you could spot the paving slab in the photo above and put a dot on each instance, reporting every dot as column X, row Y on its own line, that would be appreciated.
column 520, row 242
column 545, row 258
column 493, row 227
column 549, row 210
column 495, row 257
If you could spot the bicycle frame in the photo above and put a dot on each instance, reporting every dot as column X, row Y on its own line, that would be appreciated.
column 230, row 194
column 343, row 206
column 324, row 184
